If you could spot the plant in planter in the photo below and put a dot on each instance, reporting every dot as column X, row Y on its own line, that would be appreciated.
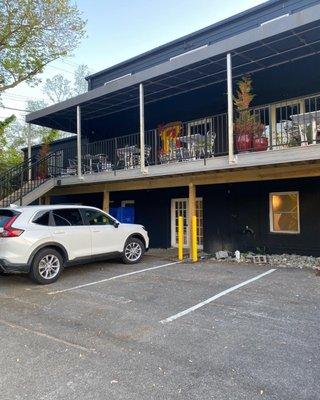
column 259, row 142
column 248, row 130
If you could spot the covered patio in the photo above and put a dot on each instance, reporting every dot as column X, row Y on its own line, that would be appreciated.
column 182, row 109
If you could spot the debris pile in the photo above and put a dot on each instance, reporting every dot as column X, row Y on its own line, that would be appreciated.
column 273, row 260
column 294, row 261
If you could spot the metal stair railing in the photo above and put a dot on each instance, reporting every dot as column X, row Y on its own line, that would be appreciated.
column 21, row 180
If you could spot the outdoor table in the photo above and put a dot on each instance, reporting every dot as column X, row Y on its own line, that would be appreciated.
column 192, row 142
column 127, row 155
column 312, row 118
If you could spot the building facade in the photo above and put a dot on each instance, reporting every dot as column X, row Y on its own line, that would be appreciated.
column 159, row 133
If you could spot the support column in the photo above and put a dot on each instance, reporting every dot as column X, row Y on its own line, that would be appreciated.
column 29, row 153
column 79, row 159
column 106, row 201
column 230, row 109
column 142, row 129
column 192, row 212
column 45, row 200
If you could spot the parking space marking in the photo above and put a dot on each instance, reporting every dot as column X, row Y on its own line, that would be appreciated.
column 46, row 336
column 205, row 302
column 140, row 271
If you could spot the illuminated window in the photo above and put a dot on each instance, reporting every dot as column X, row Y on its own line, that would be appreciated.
column 284, row 212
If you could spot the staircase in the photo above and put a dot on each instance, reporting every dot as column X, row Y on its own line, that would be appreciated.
column 30, row 180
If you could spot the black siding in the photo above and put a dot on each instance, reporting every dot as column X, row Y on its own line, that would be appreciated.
column 228, row 210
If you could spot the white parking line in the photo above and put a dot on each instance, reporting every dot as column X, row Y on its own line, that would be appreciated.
column 205, row 302
column 114, row 277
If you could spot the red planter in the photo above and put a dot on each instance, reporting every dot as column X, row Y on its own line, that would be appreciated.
column 243, row 142
column 260, row 144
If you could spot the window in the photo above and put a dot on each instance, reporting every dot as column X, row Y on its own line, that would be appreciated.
column 95, row 217
column 67, row 217
column 5, row 216
column 284, row 212
column 42, row 218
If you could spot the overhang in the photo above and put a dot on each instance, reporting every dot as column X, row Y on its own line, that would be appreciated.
column 275, row 43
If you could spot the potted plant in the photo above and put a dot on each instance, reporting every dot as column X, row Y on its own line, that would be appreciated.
column 248, row 130
column 260, row 142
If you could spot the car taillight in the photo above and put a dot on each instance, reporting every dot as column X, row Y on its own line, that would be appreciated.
column 9, row 231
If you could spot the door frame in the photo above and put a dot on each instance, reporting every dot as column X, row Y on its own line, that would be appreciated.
column 173, row 221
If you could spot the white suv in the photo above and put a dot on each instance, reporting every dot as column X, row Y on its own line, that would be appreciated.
column 41, row 240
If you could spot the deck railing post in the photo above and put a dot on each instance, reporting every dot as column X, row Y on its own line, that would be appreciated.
column 142, row 130
column 230, row 109
column 79, row 164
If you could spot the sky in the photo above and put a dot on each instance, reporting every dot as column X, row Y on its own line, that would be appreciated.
column 120, row 29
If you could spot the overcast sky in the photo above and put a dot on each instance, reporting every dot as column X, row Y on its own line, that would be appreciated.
column 120, row 29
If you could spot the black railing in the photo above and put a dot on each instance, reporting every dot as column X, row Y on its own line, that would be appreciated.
column 176, row 142
column 19, row 181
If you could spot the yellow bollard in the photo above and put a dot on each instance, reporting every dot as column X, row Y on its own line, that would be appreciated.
column 194, row 239
column 180, row 238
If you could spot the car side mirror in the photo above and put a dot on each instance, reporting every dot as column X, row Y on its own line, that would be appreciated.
column 116, row 224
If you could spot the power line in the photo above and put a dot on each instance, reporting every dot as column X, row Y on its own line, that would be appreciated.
column 15, row 109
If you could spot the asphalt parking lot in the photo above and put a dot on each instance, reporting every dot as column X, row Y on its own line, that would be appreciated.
column 160, row 330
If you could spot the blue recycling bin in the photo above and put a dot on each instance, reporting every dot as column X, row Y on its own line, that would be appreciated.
column 123, row 214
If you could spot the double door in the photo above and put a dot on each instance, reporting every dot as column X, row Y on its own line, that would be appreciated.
column 180, row 208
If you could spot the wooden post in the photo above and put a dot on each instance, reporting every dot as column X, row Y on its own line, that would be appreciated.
column 44, row 200
column 180, row 238
column 192, row 213
column 106, row 201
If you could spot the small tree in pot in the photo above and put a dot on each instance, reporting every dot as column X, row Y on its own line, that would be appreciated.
column 248, row 130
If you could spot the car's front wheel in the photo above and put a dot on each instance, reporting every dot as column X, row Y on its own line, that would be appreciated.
column 46, row 267
column 133, row 251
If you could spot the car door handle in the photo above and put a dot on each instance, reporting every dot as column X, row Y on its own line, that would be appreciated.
column 96, row 230
column 59, row 232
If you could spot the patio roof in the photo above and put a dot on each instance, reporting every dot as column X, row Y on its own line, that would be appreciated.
column 275, row 43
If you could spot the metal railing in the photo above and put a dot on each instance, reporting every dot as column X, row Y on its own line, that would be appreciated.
column 281, row 125
column 28, row 176
column 289, row 123
column 198, row 139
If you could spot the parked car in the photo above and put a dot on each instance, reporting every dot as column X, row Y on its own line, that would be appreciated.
column 42, row 240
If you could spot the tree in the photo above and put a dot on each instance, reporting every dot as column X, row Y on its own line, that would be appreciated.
column 34, row 33
column 57, row 88
column 9, row 155
column 80, row 84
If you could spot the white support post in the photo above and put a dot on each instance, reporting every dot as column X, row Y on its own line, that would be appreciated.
column 142, row 144
column 29, row 153
column 79, row 159
column 230, row 109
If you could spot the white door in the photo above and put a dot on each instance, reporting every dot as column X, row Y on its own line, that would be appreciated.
column 105, row 236
column 180, row 208
column 70, row 231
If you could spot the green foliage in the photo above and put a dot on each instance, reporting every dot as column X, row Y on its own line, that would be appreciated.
column 3, row 125
column 9, row 154
column 34, row 33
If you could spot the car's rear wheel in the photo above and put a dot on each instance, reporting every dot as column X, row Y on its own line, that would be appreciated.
column 47, row 266
column 133, row 251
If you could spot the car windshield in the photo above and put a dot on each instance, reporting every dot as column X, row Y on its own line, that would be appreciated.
column 5, row 215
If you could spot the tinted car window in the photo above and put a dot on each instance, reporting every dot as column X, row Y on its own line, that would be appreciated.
column 5, row 215
column 67, row 217
column 42, row 218
column 95, row 217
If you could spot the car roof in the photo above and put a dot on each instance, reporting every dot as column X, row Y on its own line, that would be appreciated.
column 46, row 207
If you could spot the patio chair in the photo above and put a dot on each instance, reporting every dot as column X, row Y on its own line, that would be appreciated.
column 72, row 168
